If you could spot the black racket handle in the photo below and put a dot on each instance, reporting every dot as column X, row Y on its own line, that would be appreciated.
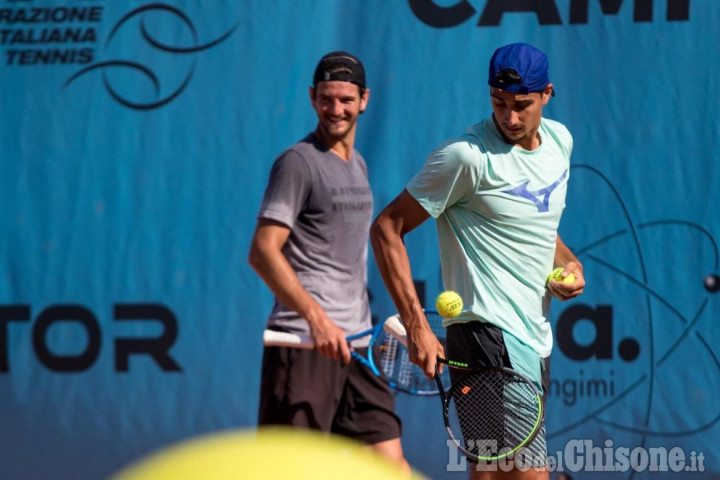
column 441, row 389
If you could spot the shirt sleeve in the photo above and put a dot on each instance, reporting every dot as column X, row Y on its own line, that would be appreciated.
column 287, row 190
column 448, row 177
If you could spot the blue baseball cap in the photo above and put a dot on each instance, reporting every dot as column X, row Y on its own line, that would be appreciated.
column 519, row 68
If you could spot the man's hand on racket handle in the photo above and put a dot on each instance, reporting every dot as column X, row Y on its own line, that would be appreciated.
column 329, row 339
column 424, row 347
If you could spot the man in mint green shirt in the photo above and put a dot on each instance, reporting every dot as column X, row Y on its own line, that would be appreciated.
column 497, row 193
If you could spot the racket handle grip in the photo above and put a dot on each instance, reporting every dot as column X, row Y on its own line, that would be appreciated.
column 394, row 327
column 272, row 338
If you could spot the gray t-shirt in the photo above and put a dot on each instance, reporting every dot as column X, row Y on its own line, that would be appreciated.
column 328, row 205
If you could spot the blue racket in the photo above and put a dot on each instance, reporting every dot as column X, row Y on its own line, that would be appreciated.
column 387, row 354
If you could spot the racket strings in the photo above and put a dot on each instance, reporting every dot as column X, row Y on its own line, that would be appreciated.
column 491, row 413
column 406, row 370
column 396, row 366
column 393, row 359
column 388, row 354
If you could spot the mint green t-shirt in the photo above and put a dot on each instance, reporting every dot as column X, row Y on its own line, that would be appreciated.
column 498, row 207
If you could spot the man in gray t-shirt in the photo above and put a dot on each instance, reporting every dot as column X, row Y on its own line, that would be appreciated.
column 326, row 203
column 310, row 248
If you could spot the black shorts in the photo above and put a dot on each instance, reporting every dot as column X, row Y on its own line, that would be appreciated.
column 480, row 345
column 305, row 389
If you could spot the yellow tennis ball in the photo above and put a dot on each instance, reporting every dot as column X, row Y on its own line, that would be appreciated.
column 270, row 453
column 449, row 304
column 556, row 276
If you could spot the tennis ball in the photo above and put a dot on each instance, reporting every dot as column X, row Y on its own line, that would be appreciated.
column 449, row 304
column 269, row 453
column 556, row 276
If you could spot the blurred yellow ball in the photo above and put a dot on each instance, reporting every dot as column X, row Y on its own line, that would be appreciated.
column 269, row 453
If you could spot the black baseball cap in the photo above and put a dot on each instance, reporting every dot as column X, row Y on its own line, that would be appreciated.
column 331, row 66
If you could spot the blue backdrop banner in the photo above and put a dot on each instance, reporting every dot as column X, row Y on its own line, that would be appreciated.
column 136, row 143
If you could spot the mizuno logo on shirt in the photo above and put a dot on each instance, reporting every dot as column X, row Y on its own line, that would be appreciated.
column 541, row 198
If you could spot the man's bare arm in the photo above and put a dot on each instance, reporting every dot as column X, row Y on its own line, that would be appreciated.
column 387, row 234
column 267, row 259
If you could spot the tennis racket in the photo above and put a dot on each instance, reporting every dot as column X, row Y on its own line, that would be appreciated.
column 490, row 413
column 412, row 377
column 387, row 355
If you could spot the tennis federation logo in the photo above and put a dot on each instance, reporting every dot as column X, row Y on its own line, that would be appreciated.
column 147, row 48
column 541, row 197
